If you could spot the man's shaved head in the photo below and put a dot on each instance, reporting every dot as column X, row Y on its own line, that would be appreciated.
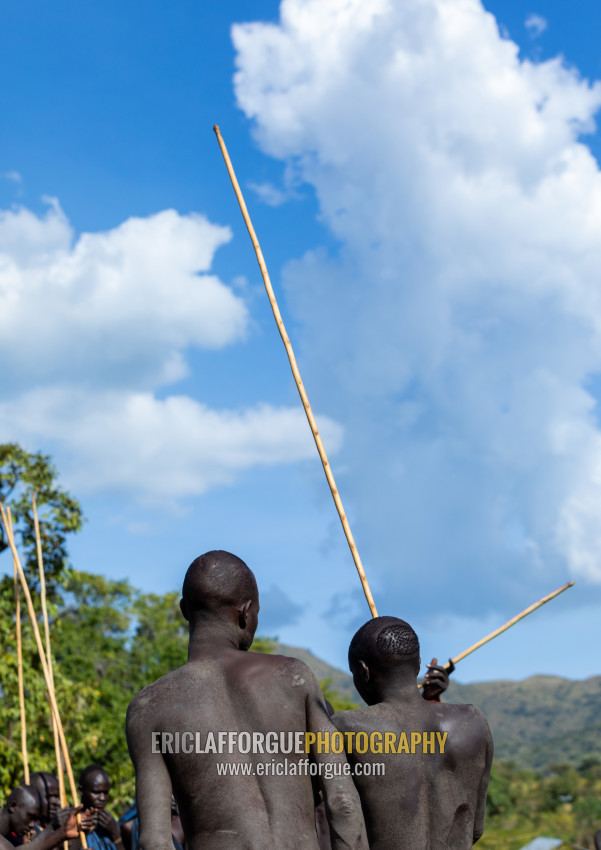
column 24, row 794
column 385, row 642
column 23, row 806
column 91, row 771
column 216, row 581
column 42, row 780
column 47, row 787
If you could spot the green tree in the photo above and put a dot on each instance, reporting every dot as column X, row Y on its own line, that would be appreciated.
column 22, row 474
column 160, row 641
column 264, row 644
column 74, row 699
column 501, row 795
column 336, row 699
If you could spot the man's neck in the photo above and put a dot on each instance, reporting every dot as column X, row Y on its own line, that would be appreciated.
column 211, row 638
column 4, row 823
column 400, row 691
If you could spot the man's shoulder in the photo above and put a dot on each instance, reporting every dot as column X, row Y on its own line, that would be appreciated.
column 290, row 670
column 468, row 718
column 351, row 719
column 155, row 692
column 463, row 712
column 295, row 666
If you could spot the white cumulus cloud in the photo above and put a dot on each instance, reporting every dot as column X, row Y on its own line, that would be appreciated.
column 464, row 305
column 91, row 327
column 116, row 305
column 157, row 449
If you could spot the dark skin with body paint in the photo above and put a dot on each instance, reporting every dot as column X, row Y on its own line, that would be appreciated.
column 224, row 687
column 20, row 813
column 425, row 800
column 436, row 681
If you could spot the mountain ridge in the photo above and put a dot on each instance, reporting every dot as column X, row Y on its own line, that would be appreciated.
column 535, row 722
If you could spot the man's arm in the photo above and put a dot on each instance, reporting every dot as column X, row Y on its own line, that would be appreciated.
column 481, row 804
column 343, row 807
column 126, row 831
column 153, row 783
column 63, row 827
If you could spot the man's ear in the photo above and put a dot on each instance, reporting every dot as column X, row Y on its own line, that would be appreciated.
column 12, row 806
column 365, row 670
column 243, row 613
column 182, row 608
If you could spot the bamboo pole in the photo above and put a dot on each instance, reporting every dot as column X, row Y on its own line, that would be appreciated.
column 297, row 377
column 20, row 676
column 7, row 521
column 57, row 747
column 507, row 625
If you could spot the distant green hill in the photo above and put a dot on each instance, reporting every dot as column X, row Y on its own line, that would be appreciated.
column 537, row 722
column 541, row 720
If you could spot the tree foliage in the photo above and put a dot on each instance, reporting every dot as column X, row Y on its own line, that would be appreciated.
column 336, row 700
column 561, row 802
column 265, row 645
column 21, row 475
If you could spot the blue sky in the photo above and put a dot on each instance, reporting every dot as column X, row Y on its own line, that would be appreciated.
column 425, row 185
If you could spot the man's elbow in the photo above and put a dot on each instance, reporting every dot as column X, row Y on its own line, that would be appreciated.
column 345, row 818
column 345, row 804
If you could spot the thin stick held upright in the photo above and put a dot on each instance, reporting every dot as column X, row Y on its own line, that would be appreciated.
column 297, row 377
column 57, row 746
column 7, row 522
column 20, row 676
column 507, row 625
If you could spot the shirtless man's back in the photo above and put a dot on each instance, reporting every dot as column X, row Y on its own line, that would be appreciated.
column 430, row 799
column 240, row 799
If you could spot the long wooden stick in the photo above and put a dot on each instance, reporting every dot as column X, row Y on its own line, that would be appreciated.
column 57, row 746
column 20, row 676
column 297, row 377
column 8, row 527
column 507, row 625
